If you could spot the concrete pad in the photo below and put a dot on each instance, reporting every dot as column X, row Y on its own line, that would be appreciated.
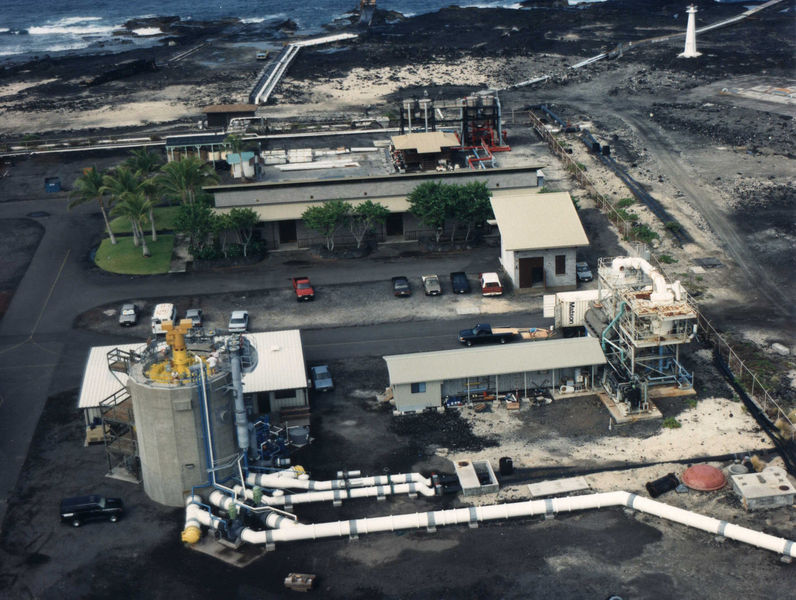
column 767, row 489
column 242, row 557
column 467, row 309
column 619, row 413
column 558, row 486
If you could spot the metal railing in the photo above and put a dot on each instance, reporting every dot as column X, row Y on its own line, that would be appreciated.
column 573, row 168
column 747, row 379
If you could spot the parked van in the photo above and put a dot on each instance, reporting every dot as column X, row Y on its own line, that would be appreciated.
column 162, row 312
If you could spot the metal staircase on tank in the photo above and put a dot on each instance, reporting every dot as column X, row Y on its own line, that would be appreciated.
column 121, row 444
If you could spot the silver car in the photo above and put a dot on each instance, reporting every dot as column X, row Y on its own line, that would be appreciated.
column 238, row 321
column 128, row 315
column 431, row 285
column 583, row 271
column 195, row 316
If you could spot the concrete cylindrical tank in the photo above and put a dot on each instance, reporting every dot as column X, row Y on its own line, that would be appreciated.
column 171, row 436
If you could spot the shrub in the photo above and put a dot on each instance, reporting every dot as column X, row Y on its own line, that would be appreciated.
column 671, row 423
column 644, row 233
column 624, row 203
column 667, row 259
column 627, row 216
column 673, row 226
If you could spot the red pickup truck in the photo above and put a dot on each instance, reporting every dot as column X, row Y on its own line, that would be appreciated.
column 303, row 288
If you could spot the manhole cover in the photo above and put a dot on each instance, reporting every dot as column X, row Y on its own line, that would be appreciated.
column 704, row 478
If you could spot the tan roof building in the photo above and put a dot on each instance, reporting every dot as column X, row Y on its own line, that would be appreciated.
column 539, row 238
column 428, row 142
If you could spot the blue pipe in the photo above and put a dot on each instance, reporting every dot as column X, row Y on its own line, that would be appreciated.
column 611, row 324
column 207, row 433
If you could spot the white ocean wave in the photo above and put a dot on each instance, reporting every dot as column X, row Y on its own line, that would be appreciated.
column 76, row 30
column 280, row 16
column 147, row 31
column 67, row 21
column 4, row 30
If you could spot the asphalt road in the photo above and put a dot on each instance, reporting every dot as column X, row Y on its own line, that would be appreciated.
column 400, row 338
column 41, row 354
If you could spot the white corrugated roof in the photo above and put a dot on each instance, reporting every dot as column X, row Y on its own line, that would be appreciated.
column 280, row 362
column 98, row 381
column 529, row 221
column 494, row 360
column 280, row 366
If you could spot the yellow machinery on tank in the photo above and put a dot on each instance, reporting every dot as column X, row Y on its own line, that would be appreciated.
column 175, row 368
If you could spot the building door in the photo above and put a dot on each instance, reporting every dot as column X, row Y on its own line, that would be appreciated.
column 531, row 271
column 287, row 231
column 394, row 225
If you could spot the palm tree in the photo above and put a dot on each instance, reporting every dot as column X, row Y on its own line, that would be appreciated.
column 143, row 161
column 88, row 187
column 136, row 206
column 121, row 184
column 185, row 178
column 146, row 164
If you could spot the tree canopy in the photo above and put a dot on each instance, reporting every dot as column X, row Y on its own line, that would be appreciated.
column 436, row 203
column 364, row 217
column 327, row 219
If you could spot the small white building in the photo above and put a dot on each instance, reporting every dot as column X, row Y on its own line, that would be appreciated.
column 539, row 238
column 278, row 382
column 426, row 380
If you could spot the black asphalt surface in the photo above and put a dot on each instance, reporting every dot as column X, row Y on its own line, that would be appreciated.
column 42, row 354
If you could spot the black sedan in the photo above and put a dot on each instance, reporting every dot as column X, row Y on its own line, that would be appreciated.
column 401, row 287
column 460, row 283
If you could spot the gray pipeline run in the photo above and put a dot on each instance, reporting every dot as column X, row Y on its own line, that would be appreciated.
column 531, row 474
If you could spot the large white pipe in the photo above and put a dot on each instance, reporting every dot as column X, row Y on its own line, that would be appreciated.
column 475, row 514
column 196, row 514
column 338, row 495
column 660, row 291
column 289, row 480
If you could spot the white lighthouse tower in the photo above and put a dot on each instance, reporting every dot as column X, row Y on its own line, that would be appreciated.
column 690, row 35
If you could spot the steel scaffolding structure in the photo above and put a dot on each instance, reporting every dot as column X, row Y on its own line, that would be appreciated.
column 642, row 321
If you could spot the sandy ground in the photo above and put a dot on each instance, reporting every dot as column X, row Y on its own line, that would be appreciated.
column 363, row 87
column 169, row 104
column 713, row 426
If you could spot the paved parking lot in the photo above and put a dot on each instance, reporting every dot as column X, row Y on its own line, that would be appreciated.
column 334, row 306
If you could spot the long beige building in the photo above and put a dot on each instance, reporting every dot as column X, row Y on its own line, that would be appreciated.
column 280, row 205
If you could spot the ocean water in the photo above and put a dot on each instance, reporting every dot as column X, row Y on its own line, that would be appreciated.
column 57, row 26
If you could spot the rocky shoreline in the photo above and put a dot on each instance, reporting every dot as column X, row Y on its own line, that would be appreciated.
column 454, row 50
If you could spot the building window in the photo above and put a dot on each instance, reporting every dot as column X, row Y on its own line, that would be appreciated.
column 283, row 394
column 419, row 388
column 561, row 264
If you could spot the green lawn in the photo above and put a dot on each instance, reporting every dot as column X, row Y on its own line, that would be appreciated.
column 164, row 219
column 127, row 259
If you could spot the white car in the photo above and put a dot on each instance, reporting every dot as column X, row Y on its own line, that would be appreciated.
column 238, row 321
